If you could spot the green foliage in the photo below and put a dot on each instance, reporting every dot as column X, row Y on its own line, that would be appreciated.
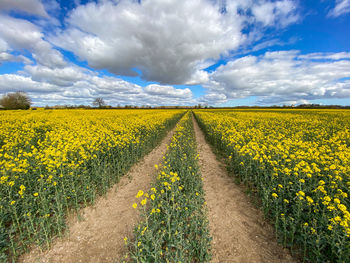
column 15, row 101
column 297, row 164
column 174, row 226
column 34, row 203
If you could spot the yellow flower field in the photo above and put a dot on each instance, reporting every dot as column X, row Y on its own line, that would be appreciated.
column 298, row 163
column 52, row 161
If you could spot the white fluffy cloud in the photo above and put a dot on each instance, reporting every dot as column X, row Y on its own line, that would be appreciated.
column 21, row 35
column 14, row 82
column 7, row 57
column 76, row 85
column 64, row 77
column 280, row 13
column 168, row 91
column 341, row 7
column 284, row 75
column 168, row 41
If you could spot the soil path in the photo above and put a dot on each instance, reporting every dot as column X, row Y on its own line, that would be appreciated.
column 99, row 237
column 237, row 227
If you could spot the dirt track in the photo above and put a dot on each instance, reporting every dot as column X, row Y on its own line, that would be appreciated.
column 99, row 237
column 239, row 231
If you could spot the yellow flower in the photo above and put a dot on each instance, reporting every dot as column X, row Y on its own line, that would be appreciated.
column 310, row 200
column 134, row 205
column 36, row 194
column 301, row 193
column 139, row 194
column 144, row 201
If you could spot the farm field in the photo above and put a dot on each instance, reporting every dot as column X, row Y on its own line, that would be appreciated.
column 297, row 164
column 174, row 224
column 52, row 162
column 294, row 163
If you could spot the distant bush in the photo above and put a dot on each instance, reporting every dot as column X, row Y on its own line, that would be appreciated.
column 14, row 101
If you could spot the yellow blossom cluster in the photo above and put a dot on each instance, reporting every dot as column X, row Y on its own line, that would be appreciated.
column 299, row 163
column 53, row 160
column 174, row 225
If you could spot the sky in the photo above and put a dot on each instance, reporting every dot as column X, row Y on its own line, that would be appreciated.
column 176, row 52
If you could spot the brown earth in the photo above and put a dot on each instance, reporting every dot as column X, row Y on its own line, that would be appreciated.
column 100, row 236
column 239, row 231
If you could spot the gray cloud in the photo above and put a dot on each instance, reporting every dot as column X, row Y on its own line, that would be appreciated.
column 29, row 6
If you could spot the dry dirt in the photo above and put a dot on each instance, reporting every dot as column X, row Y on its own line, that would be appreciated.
column 99, row 237
column 239, row 231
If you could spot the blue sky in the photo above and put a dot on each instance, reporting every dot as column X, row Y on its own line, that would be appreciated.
column 154, row 52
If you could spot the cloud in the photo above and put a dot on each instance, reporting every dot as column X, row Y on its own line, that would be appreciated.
column 64, row 77
column 342, row 7
column 280, row 13
column 168, row 41
column 283, row 76
column 7, row 57
column 326, row 56
column 14, row 82
column 21, row 35
column 34, row 7
column 168, row 91
column 76, row 85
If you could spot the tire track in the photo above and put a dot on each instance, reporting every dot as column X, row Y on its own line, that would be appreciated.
column 239, row 231
column 99, row 236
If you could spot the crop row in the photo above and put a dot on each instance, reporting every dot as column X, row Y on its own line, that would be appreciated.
column 298, row 164
column 174, row 227
column 52, row 162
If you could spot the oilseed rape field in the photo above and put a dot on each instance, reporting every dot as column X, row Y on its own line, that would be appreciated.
column 293, row 163
column 175, row 218
column 55, row 161
column 297, row 163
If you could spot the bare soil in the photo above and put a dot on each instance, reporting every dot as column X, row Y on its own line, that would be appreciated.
column 99, row 237
column 239, row 231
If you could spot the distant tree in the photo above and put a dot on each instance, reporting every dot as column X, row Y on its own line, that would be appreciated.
column 99, row 102
column 14, row 101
